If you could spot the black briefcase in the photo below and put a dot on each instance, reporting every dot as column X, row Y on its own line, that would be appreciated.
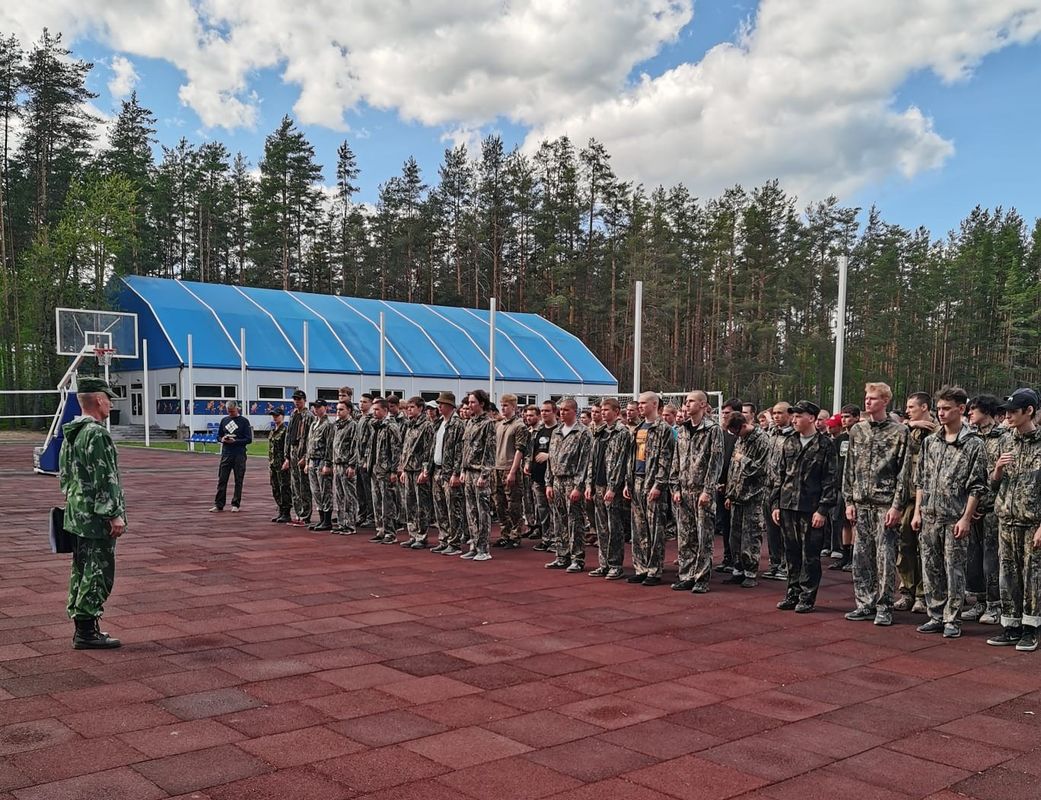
column 61, row 540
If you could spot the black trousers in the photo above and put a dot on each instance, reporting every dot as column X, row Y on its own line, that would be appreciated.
column 230, row 462
column 723, row 527
column 802, row 550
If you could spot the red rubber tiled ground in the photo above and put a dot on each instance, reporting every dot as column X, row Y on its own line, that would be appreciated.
column 264, row 661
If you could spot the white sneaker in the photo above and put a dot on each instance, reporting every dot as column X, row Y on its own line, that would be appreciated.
column 483, row 557
column 992, row 616
column 216, row 510
column 234, row 509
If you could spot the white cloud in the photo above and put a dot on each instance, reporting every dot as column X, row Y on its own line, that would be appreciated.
column 124, row 77
column 806, row 95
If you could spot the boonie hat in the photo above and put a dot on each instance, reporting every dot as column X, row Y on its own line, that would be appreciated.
column 446, row 397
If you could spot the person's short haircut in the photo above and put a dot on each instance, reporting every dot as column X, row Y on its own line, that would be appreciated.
column 922, row 398
column 347, row 390
column 531, row 407
column 734, row 404
column 953, row 394
column 380, row 401
column 569, row 402
column 346, row 405
column 752, row 406
column 610, row 402
column 852, row 410
column 651, row 397
column 231, row 404
column 482, row 398
column 549, row 403
column 736, row 422
column 508, row 398
column 670, row 407
column 415, row 401
column 393, row 399
column 879, row 388
column 987, row 403
column 366, row 396
column 586, row 414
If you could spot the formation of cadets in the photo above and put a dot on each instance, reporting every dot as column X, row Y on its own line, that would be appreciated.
column 935, row 510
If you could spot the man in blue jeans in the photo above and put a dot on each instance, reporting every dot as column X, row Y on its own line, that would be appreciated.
column 234, row 434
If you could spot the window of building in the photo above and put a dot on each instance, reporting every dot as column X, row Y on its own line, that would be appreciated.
column 398, row 393
column 555, row 398
column 527, row 400
column 216, row 391
column 271, row 393
column 168, row 390
column 120, row 390
column 327, row 394
column 428, row 396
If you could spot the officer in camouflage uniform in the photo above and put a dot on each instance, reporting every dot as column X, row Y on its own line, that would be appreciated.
column 478, row 462
column 445, row 472
column 950, row 479
column 780, row 415
column 531, row 518
column 982, row 568
column 319, row 466
column 605, row 482
column 746, row 484
column 653, row 446
column 384, row 454
column 696, row 466
column 875, row 485
column 511, row 441
column 535, row 466
column 1017, row 480
column 363, row 443
column 569, row 450
column 95, row 511
column 278, row 470
column 908, row 554
column 296, row 456
column 416, row 449
column 345, row 488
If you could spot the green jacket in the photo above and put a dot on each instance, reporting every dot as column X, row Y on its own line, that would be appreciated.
column 89, row 479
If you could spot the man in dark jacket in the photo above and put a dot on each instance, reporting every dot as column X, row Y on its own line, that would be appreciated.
column 234, row 434
column 803, row 495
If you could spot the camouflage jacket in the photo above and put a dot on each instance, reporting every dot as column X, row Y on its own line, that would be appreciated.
column 320, row 441
column 568, row 455
column 612, row 449
column 776, row 437
column 299, row 426
column 661, row 443
column 363, row 441
column 384, row 448
column 418, row 444
column 698, row 457
column 1018, row 498
column 947, row 473
column 276, row 446
column 806, row 479
column 451, row 447
column 877, row 464
column 344, row 445
column 991, row 438
column 479, row 445
column 88, row 468
column 748, row 473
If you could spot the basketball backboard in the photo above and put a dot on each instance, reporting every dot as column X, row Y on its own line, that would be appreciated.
column 80, row 329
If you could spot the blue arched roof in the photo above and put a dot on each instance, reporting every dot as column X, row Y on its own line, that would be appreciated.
column 343, row 334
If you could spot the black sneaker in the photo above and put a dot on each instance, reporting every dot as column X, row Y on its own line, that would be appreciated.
column 788, row 604
column 558, row 563
column 1028, row 641
column 599, row 572
column 738, row 578
column 804, row 608
column 637, row 578
column 1008, row 637
column 652, row 580
column 501, row 542
column 439, row 549
column 932, row 626
column 514, row 544
column 542, row 547
column 726, row 566
column 861, row 614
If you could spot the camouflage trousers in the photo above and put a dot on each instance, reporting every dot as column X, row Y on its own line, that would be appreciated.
column 281, row 488
column 448, row 508
column 909, row 557
column 569, row 531
column 610, row 532
column 509, row 507
column 478, row 510
column 1020, row 578
column 321, row 487
column 648, row 532
column 364, row 484
column 345, row 498
column 983, row 567
column 944, row 560
column 93, row 574
column 419, row 507
column 774, row 539
column 695, row 532
column 747, row 527
column 531, row 521
column 301, row 487
column 543, row 513
column 384, row 504
column 874, row 558
column 802, row 551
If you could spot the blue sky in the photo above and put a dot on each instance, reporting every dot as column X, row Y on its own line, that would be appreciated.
column 711, row 94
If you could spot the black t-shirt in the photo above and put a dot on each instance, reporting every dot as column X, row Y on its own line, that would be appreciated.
column 539, row 443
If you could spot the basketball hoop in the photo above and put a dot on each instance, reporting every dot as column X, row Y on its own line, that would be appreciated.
column 104, row 355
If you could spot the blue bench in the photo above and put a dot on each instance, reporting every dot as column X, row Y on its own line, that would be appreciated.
column 210, row 437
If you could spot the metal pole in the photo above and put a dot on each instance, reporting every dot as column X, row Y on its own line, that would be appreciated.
column 191, row 395
column 383, row 355
column 637, row 340
column 306, row 359
column 108, row 419
column 144, row 391
column 840, row 332
column 491, row 349
column 244, row 403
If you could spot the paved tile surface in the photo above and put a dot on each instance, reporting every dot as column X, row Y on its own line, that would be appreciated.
column 266, row 661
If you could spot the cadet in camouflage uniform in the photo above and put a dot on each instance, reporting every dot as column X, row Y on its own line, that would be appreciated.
column 605, row 482
column 908, row 553
column 345, row 488
column 696, row 466
column 278, row 470
column 780, row 414
column 445, row 471
column 653, row 446
column 569, row 448
column 535, row 466
column 296, row 455
column 746, row 484
column 531, row 518
column 95, row 511
column 983, row 568
column 384, row 454
column 950, row 479
column 1017, row 480
column 478, row 461
column 416, row 449
column 319, row 466
column 875, row 486
column 802, row 498
column 363, row 443
column 511, row 440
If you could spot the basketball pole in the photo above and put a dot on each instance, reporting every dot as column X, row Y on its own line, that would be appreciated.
column 244, row 407
column 144, row 386
column 191, row 395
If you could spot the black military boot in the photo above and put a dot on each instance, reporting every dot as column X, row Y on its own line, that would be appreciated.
column 325, row 521
column 284, row 515
column 89, row 636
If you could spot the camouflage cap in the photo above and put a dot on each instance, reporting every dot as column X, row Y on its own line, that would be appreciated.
column 805, row 407
column 89, row 384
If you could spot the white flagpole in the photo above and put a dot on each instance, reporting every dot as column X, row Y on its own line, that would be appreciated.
column 840, row 332
column 144, row 391
column 637, row 340
column 244, row 406
column 306, row 359
column 191, row 395
column 491, row 349
column 383, row 356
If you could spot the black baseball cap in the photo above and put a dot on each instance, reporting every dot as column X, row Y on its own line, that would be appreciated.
column 300, row 393
column 277, row 412
column 1021, row 398
column 805, row 407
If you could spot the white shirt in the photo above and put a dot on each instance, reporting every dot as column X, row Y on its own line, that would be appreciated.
column 439, row 442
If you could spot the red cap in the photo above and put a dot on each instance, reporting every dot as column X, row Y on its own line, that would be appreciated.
column 834, row 421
